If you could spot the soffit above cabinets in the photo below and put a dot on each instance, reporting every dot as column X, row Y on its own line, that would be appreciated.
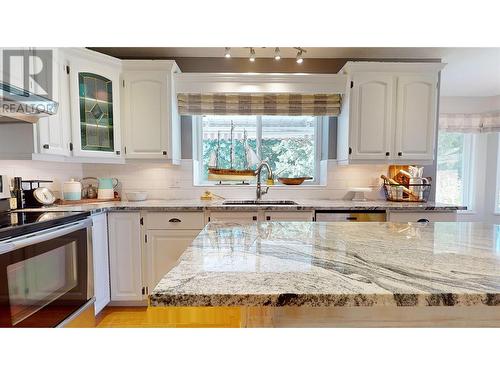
column 260, row 83
column 392, row 67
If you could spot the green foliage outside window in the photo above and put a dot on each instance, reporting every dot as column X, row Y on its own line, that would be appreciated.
column 292, row 157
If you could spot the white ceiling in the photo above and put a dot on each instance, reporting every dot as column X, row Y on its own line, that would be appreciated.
column 470, row 71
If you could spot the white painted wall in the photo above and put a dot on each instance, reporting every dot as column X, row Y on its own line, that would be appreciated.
column 469, row 104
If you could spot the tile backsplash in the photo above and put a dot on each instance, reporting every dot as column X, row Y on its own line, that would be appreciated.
column 58, row 172
column 163, row 181
column 176, row 182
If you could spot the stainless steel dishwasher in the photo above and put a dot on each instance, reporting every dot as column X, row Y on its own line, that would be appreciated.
column 352, row 216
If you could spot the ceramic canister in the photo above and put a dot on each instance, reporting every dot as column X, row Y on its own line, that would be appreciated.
column 72, row 190
column 105, row 190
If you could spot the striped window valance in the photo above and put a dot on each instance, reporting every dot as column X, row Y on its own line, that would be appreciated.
column 469, row 122
column 259, row 104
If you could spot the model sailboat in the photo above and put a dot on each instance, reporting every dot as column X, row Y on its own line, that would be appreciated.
column 231, row 174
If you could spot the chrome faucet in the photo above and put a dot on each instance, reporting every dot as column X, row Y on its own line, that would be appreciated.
column 260, row 191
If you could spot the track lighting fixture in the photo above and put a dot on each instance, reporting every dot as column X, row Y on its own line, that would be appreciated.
column 227, row 54
column 277, row 55
column 252, row 54
column 300, row 58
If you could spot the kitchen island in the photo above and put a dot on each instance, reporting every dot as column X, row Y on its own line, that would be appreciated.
column 335, row 274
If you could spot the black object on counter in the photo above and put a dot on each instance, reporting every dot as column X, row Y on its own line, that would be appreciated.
column 18, row 192
column 29, row 198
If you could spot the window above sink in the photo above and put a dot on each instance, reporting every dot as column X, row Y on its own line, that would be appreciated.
column 290, row 144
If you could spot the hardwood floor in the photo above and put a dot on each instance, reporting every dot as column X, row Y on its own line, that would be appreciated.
column 229, row 317
column 174, row 317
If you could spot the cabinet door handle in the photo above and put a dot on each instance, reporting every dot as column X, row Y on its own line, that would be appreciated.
column 46, row 146
column 174, row 220
column 118, row 152
column 268, row 218
column 400, row 153
column 164, row 152
column 387, row 153
column 254, row 218
column 422, row 220
column 351, row 218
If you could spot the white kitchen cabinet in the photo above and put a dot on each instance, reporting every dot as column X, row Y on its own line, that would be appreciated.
column 145, row 117
column 101, row 261
column 254, row 216
column 234, row 216
column 167, row 236
column 388, row 113
column 125, row 260
column 423, row 216
column 95, row 104
column 372, row 121
column 416, row 117
column 289, row 215
column 51, row 135
column 175, row 220
column 151, row 126
column 163, row 249
column 54, row 132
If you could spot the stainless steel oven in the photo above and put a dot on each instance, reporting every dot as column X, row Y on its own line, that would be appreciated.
column 46, row 277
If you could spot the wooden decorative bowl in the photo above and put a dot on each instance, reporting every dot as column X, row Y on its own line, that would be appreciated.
column 293, row 180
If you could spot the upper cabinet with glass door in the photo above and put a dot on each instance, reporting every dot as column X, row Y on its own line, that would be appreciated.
column 95, row 104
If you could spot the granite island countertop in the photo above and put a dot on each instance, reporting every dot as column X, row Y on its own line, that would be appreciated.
column 217, row 205
column 337, row 264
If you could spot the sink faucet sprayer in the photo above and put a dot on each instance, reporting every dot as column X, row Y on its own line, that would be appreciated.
column 270, row 180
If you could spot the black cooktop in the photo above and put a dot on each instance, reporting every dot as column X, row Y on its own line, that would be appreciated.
column 14, row 224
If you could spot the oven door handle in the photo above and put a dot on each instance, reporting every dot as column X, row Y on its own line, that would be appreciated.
column 43, row 236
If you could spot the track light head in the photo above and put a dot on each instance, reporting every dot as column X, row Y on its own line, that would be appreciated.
column 252, row 55
column 277, row 54
column 300, row 52
column 299, row 58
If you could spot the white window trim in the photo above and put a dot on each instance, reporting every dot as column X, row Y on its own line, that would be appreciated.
column 198, row 152
column 468, row 173
column 497, row 191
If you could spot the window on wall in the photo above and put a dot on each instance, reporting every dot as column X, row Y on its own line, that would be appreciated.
column 454, row 168
column 288, row 143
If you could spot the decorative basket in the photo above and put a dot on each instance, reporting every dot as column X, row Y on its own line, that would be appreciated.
column 407, row 193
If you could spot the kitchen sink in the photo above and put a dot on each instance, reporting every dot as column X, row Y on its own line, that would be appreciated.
column 251, row 202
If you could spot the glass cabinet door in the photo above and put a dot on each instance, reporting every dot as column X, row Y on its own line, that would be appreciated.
column 96, row 112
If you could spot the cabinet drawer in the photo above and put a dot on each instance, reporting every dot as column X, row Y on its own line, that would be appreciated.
column 234, row 216
column 175, row 220
column 422, row 216
column 288, row 216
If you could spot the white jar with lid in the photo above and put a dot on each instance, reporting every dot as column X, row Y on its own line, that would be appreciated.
column 72, row 190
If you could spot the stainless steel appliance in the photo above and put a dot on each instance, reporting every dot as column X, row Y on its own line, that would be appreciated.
column 46, row 269
column 19, row 105
column 352, row 216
